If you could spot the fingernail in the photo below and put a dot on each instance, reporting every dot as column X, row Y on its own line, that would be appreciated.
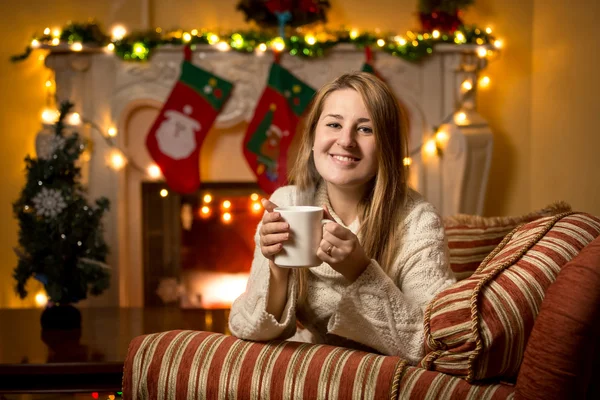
column 287, row 236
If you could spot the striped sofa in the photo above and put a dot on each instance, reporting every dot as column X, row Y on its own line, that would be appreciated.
column 523, row 325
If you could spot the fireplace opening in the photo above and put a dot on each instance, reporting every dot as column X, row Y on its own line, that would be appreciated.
column 198, row 249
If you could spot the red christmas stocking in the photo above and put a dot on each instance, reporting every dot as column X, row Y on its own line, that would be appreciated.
column 274, row 125
column 175, row 139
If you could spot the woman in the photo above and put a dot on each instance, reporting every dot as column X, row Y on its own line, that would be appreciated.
column 384, row 257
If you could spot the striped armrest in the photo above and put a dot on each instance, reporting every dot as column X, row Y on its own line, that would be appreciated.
column 204, row 365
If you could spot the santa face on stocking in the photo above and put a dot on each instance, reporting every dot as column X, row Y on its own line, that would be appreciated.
column 176, row 135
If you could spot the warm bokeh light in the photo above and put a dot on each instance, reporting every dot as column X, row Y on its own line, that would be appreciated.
column 459, row 37
column 262, row 47
column 498, row 44
column 118, row 32
column 466, row 86
column 223, row 46
column 353, row 34
column 110, row 47
column 164, row 193
column 187, row 37
column 227, row 217
column 310, row 39
column 207, row 198
column 213, row 39
column 73, row 119
column 407, row 161
column 485, row 81
column 482, row 52
column 112, row 131
column 47, row 31
column 460, row 117
column 55, row 42
column 35, row 43
column 488, row 30
column 431, row 147
column 226, row 204
column 41, row 299
column 278, row 44
column 48, row 83
column 76, row 46
column 256, row 207
column 380, row 42
column 117, row 160
column 436, row 34
column 254, row 197
column 49, row 116
column 154, row 171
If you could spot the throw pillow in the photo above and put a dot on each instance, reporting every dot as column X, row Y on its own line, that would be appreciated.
column 478, row 328
column 471, row 238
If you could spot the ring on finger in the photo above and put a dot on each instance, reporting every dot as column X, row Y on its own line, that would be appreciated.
column 328, row 252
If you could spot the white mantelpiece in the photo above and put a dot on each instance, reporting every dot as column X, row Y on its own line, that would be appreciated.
column 111, row 92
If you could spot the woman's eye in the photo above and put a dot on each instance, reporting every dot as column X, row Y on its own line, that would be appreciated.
column 334, row 125
column 365, row 129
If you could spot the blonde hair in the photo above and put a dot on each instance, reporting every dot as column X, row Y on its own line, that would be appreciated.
column 381, row 207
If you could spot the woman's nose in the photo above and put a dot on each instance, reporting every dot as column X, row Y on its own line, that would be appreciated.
column 346, row 138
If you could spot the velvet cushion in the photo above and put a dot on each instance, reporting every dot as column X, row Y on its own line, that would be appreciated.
column 564, row 341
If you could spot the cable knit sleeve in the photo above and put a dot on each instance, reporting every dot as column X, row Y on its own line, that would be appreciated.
column 248, row 318
column 385, row 311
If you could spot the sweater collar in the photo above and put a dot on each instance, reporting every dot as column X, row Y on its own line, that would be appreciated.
column 322, row 198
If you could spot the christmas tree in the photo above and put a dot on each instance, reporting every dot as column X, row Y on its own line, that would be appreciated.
column 61, row 240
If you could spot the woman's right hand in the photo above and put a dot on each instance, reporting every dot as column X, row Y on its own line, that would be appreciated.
column 273, row 232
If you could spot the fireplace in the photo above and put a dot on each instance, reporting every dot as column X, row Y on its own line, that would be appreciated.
column 198, row 248
column 128, row 97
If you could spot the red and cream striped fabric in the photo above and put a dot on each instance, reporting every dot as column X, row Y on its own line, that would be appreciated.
column 420, row 384
column 478, row 328
column 471, row 238
column 203, row 365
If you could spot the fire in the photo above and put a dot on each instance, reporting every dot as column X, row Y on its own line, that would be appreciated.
column 213, row 289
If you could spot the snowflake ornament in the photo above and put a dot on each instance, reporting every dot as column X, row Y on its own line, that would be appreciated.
column 48, row 145
column 49, row 203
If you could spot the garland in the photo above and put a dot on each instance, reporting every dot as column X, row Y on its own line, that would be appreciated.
column 140, row 45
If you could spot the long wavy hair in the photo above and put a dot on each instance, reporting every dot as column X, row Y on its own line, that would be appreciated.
column 381, row 207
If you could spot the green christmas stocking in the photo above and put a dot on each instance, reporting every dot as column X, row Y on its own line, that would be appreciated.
column 273, row 126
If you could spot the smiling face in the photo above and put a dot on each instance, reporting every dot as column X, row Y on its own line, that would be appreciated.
column 345, row 150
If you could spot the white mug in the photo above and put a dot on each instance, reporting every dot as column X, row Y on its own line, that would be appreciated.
column 300, row 250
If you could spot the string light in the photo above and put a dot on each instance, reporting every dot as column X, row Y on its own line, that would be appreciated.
column 207, row 198
column 73, row 119
column 56, row 33
column 187, row 37
column 117, row 160
column 76, row 46
column 256, row 207
column 407, row 161
column 485, row 81
column 118, row 32
column 310, row 39
column 48, row 83
column 194, row 32
column 226, row 204
column 254, row 197
column 50, row 116
column 41, row 299
column 482, row 52
column 460, row 118
column 212, row 38
column 380, row 42
column 441, row 139
column 35, row 43
column 223, row 46
column 227, row 217
column 204, row 212
column 278, row 44
column 400, row 40
column 164, row 193
column 47, row 31
column 466, row 86
column 110, row 47
column 460, row 37
column 488, row 30
column 112, row 131
column 435, row 34
column 353, row 34
column 498, row 44
column 55, row 41
column 262, row 47
column 154, row 171
column 431, row 147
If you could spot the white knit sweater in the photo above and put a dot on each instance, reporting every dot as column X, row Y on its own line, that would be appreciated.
column 381, row 311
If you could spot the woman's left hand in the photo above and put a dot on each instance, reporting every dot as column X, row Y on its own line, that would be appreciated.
column 341, row 249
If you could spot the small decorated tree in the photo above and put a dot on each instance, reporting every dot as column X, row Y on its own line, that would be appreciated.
column 443, row 15
column 274, row 13
column 61, row 241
